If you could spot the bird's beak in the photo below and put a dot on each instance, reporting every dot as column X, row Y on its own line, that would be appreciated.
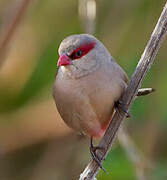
column 64, row 60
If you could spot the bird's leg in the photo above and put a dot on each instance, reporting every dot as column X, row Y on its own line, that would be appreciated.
column 141, row 92
column 94, row 155
column 119, row 105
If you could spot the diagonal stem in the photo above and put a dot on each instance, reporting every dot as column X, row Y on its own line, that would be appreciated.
column 11, row 28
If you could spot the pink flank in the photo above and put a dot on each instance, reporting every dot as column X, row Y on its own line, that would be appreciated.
column 98, row 132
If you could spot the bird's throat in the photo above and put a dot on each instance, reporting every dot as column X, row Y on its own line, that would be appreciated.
column 64, row 69
column 75, row 72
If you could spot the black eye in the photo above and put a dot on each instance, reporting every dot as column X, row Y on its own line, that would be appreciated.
column 79, row 53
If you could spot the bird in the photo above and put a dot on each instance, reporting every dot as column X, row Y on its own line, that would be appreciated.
column 88, row 85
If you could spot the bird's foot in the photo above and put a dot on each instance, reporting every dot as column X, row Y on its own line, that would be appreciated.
column 93, row 153
column 119, row 105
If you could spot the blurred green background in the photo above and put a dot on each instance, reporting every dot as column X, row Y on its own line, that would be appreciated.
column 35, row 144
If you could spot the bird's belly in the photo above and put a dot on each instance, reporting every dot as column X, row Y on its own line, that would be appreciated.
column 102, row 103
column 86, row 112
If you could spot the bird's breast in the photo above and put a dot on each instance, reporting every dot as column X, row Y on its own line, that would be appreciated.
column 87, row 104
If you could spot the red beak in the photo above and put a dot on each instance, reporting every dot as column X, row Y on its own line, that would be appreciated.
column 63, row 60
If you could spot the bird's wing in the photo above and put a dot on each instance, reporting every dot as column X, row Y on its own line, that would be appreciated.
column 123, row 73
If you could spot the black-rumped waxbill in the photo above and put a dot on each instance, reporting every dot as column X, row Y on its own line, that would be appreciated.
column 88, row 83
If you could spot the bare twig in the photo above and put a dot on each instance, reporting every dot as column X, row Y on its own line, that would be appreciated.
column 142, row 68
column 11, row 28
column 145, row 91
column 87, row 14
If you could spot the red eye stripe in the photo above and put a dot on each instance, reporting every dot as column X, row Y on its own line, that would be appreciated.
column 85, row 48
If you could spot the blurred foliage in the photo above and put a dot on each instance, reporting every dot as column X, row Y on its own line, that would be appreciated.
column 117, row 166
column 27, row 77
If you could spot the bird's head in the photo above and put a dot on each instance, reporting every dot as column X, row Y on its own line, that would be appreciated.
column 81, row 54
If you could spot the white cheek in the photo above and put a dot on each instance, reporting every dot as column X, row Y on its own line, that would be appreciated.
column 64, row 69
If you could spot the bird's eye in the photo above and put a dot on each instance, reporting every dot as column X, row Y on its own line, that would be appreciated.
column 79, row 53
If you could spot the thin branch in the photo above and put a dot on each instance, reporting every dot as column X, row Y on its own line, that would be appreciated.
column 11, row 28
column 142, row 68
column 87, row 14
column 145, row 91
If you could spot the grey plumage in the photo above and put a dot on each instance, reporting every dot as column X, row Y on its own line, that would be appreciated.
column 86, row 90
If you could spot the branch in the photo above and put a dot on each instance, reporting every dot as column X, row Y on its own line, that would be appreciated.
column 145, row 91
column 87, row 14
column 11, row 28
column 128, row 97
